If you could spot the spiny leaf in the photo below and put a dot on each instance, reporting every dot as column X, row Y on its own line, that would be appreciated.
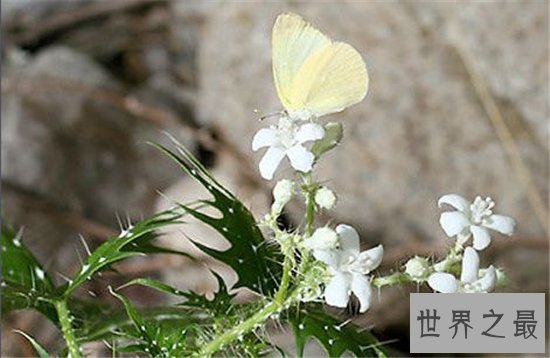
column 95, row 322
column 335, row 337
column 253, row 260
column 220, row 305
column 223, row 315
column 133, row 241
column 156, row 338
column 139, row 325
column 25, row 284
column 42, row 353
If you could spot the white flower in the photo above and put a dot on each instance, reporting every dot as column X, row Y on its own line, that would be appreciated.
column 473, row 219
column 325, row 198
column 282, row 193
column 349, row 267
column 286, row 139
column 471, row 281
column 417, row 268
column 323, row 238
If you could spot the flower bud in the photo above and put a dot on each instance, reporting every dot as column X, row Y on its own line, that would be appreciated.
column 501, row 277
column 417, row 268
column 323, row 238
column 325, row 198
column 333, row 137
column 282, row 193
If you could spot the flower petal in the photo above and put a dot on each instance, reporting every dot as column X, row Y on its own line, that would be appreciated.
column 360, row 286
column 500, row 223
column 349, row 239
column 482, row 239
column 337, row 291
column 309, row 132
column 470, row 266
column 265, row 137
column 453, row 222
column 270, row 162
column 329, row 257
column 368, row 260
column 300, row 158
column 443, row 282
column 488, row 282
column 456, row 201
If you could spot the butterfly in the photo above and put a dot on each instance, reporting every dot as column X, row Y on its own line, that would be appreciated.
column 313, row 74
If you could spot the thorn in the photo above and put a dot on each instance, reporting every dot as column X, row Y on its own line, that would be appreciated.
column 64, row 277
column 119, row 221
column 85, row 244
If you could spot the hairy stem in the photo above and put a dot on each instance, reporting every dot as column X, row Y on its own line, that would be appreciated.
column 241, row 329
column 280, row 296
column 393, row 279
column 67, row 328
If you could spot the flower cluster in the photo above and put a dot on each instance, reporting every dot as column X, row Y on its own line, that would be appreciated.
column 339, row 268
column 336, row 252
column 468, row 220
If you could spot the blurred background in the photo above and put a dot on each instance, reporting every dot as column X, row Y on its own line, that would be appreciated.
column 458, row 103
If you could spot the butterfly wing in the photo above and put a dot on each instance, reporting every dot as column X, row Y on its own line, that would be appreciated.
column 311, row 72
column 330, row 80
column 293, row 42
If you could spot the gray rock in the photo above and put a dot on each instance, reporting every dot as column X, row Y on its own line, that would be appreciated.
column 67, row 137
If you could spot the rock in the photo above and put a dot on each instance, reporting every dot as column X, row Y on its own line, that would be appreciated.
column 421, row 132
column 162, row 92
column 133, row 39
column 65, row 137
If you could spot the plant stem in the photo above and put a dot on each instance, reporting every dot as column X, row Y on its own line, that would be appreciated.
column 395, row 278
column 67, row 328
column 310, row 204
column 280, row 296
column 240, row 329
column 309, row 189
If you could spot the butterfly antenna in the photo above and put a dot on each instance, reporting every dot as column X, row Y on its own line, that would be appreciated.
column 275, row 114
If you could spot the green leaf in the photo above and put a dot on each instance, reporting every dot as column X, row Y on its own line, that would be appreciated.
column 334, row 133
column 139, row 324
column 42, row 353
column 221, row 315
column 157, row 338
column 335, row 337
column 25, row 283
column 256, row 263
column 133, row 241
column 221, row 304
column 95, row 322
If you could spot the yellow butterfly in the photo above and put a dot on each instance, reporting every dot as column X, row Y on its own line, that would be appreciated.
column 314, row 75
